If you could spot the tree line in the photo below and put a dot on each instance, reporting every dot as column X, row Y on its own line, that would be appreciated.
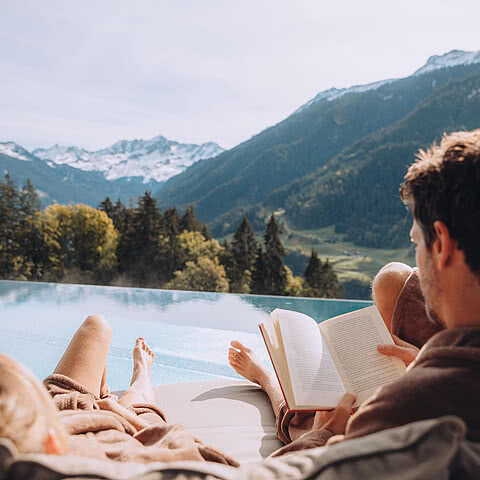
column 141, row 246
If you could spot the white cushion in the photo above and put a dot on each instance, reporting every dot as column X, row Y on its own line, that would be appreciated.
column 233, row 416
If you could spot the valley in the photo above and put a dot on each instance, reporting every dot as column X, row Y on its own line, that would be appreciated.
column 330, row 171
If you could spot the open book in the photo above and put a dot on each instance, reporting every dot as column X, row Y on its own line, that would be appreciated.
column 317, row 363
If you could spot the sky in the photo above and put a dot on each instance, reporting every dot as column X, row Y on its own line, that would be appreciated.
column 93, row 72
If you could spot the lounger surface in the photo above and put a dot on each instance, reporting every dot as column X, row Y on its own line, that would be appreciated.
column 232, row 415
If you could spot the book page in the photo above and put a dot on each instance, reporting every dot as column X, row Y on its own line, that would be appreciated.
column 315, row 381
column 353, row 339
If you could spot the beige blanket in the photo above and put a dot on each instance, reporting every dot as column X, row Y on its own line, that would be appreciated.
column 103, row 429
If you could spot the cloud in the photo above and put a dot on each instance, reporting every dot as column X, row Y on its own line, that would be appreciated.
column 90, row 73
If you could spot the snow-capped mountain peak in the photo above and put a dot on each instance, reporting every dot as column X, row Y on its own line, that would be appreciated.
column 156, row 159
column 334, row 93
column 450, row 59
column 11, row 149
column 435, row 62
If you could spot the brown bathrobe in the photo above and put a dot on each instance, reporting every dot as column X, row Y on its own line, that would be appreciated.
column 103, row 429
column 442, row 381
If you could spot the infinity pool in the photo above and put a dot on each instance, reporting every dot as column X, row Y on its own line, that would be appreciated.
column 189, row 331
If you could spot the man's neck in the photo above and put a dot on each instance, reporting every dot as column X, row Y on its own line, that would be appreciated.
column 461, row 300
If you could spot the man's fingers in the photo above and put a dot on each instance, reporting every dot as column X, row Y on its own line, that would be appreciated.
column 403, row 353
column 341, row 414
column 347, row 401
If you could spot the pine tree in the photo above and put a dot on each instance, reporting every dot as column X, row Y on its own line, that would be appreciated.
column 206, row 232
column 320, row 279
column 171, row 222
column 29, row 201
column 244, row 246
column 312, row 269
column 9, row 231
column 140, row 245
column 108, row 207
column 244, row 253
column 34, row 259
column 275, row 272
column 332, row 288
column 170, row 254
column 190, row 222
column 259, row 273
column 227, row 260
column 122, row 218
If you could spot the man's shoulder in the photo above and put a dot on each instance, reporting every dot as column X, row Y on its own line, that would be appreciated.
column 451, row 344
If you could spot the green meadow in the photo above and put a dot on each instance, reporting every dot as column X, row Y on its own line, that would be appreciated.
column 350, row 261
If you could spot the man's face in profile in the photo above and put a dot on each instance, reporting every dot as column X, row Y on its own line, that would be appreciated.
column 427, row 273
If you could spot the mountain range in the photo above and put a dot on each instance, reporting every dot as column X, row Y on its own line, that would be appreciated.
column 337, row 160
column 156, row 160
column 124, row 170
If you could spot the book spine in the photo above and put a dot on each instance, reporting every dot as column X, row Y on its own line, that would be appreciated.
column 274, row 368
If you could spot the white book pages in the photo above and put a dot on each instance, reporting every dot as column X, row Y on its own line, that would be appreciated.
column 315, row 380
column 352, row 339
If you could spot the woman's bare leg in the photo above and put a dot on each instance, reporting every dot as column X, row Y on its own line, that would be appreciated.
column 244, row 362
column 85, row 358
column 386, row 288
column 141, row 389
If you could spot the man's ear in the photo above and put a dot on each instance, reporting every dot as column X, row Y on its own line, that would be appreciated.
column 52, row 445
column 443, row 246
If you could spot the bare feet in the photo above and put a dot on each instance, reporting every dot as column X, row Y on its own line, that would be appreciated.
column 141, row 384
column 243, row 361
column 141, row 389
column 142, row 360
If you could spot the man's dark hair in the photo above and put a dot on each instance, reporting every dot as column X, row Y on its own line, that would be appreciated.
column 444, row 184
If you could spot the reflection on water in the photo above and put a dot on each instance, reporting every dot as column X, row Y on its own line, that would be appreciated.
column 20, row 292
column 189, row 331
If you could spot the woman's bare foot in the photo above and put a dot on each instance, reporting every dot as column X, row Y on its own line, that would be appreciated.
column 141, row 382
column 142, row 360
column 243, row 361
column 141, row 389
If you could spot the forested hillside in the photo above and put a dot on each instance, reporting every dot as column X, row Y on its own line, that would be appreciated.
column 336, row 162
column 358, row 191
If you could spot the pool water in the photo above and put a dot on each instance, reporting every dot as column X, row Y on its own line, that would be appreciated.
column 189, row 331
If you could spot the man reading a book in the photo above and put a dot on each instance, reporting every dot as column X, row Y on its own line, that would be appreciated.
column 435, row 308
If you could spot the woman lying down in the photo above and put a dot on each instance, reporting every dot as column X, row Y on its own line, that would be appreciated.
column 84, row 418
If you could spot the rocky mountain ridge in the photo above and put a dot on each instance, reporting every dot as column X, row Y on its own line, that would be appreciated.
column 157, row 159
